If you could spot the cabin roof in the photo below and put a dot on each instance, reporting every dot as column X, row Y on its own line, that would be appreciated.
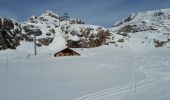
column 65, row 49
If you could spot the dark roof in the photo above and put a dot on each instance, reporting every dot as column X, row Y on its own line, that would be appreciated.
column 68, row 49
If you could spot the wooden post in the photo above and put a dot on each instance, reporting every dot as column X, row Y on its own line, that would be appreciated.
column 35, row 47
column 59, row 22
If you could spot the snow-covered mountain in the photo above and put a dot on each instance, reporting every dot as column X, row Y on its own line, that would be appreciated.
column 50, row 27
column 53, row 30
column 156, row 21
column 130, row 69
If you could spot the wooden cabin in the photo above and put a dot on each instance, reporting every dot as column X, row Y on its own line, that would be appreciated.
column 66, row 52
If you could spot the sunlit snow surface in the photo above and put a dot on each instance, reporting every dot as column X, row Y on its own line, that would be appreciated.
column 131, row 71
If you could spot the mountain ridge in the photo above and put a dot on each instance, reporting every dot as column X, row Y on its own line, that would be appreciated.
column 75, row 33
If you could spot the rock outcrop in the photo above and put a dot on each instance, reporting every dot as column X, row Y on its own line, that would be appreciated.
column 10, row 30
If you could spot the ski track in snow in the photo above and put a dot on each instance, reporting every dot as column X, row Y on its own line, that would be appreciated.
column 100, row 61
column 113, row 91
column 129, row 89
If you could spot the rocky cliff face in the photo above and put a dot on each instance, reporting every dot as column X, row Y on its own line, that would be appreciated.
column 10, row 33
column 86, row 36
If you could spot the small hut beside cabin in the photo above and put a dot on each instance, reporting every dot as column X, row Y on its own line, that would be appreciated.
column 66, row 52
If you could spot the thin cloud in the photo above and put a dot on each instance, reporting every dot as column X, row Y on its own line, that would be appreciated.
column 8, row 14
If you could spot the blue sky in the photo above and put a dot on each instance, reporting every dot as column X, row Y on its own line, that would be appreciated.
column 98, row 12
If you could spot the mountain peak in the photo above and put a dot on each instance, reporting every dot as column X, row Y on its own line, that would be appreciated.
column 152, row 16
column 50, row 13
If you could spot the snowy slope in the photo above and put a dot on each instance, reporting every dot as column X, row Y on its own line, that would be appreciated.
column 154, row 63
column 103, row 73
